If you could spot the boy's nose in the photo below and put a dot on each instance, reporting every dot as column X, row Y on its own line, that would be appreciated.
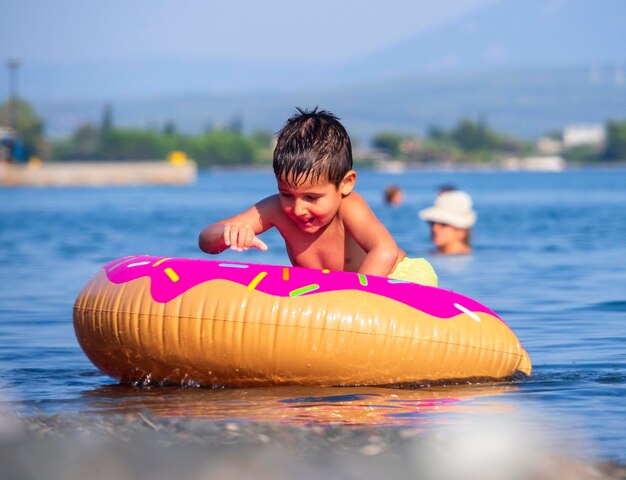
column 299, row 207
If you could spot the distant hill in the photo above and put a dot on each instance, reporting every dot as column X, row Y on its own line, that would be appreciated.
column 509, row 34
column 525, row 103
column 525, row 67
column 505, row 35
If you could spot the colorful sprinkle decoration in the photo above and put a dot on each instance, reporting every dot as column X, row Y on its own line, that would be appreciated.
column 302, row 290
column 255, row 281
column 175, row 276
column 172, row 274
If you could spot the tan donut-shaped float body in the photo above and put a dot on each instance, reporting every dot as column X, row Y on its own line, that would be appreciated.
column 203, row 322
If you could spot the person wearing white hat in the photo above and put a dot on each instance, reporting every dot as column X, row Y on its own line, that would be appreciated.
column 451, row 219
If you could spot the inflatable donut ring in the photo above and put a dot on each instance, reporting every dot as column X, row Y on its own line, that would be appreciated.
column 149, row 319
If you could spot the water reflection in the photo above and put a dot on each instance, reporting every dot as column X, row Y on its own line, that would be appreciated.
column 349, row 406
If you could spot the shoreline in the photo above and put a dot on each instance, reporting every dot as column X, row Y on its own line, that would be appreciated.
column 141, row 446
column 97, row 174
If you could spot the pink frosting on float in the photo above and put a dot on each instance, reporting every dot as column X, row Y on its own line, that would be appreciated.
column 171, row 277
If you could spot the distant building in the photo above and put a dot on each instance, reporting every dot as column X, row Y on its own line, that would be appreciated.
column 549, row 146
column 390, row 166
column 578, row 135
column 552, row 163
column 410, row 145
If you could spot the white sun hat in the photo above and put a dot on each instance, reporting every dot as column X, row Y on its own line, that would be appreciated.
column 452, row 208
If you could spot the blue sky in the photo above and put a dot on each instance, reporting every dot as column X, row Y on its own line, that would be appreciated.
column 351, row 56
column 320, row 31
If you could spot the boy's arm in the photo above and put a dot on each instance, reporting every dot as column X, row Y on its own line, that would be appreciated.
column 240, row 231
column 381, row 250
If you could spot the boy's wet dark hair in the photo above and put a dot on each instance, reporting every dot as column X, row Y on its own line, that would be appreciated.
column 312, row 145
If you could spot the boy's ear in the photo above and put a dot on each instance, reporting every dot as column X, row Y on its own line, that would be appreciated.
column 347, row 184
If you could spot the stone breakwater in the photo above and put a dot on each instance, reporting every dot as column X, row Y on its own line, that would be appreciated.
column 98, row 174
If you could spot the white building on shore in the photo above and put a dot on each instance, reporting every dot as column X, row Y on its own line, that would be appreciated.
column 548, row 163
column 579, row 135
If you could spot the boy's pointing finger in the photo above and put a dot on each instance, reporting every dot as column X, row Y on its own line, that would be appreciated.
column 258, row 243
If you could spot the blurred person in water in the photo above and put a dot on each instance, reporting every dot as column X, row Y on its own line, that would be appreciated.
column 451, row 219
column 446, row 187
column 393, row 195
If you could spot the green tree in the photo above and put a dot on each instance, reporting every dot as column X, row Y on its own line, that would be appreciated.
column 222, row 148
column 263, row 138
column 235, row 125
column 473, row 136
column 28, row 125
column 169, row 128
column 388, row 142
column 85, row 143
column 135, row 144
column 615, row 141
column 437, row 134
column 263, row 142
column 107, row 121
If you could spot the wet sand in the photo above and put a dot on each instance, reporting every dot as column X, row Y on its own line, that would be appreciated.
column 140, row 446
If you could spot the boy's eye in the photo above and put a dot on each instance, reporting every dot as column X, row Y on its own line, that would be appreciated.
column 312, row 198
column 284, row 194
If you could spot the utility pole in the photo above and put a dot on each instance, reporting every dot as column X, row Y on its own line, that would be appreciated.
column 12, row 65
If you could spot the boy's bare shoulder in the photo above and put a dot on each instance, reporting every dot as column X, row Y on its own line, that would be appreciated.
column 270, row 211
column 354, row 204
column 356, row 214
column 270, row 202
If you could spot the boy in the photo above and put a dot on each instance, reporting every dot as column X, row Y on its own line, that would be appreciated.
column 325, row 224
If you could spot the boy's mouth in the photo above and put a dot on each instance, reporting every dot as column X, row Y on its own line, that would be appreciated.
column 306, row 222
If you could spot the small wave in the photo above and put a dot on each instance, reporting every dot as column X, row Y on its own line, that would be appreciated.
column 612, row 306
column 330, row 398
column 574, row 376
column 608, row 306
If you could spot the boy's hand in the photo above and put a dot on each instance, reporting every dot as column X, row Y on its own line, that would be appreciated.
column 240, row 236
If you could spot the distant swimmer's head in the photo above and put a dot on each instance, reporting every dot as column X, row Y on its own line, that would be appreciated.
column 451, row 208
column 312, row 146
column 393, row 195
column 451, row 218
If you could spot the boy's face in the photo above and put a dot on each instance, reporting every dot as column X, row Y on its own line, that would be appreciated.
column 312, row 206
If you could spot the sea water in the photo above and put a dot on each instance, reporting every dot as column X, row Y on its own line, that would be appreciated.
column 549, row 257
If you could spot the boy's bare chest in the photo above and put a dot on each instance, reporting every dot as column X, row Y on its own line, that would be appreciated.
column 331, row 249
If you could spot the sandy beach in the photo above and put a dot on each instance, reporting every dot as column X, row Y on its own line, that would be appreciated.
column 140, row 446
